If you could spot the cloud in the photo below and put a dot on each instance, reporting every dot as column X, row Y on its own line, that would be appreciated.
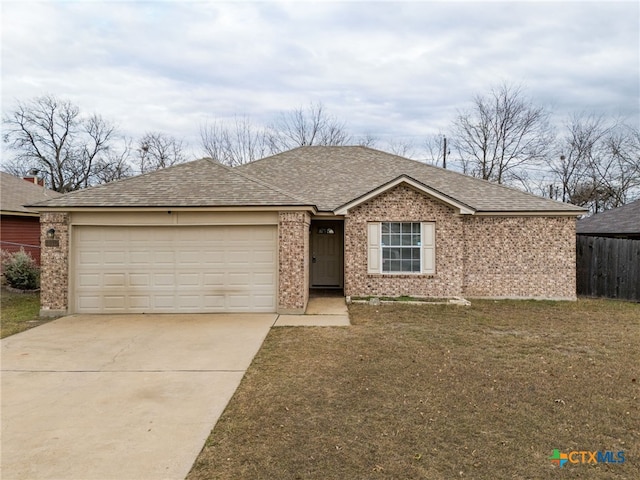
column 386, row 68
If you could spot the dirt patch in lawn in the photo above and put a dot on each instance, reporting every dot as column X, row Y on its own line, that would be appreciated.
column 19, row 312
column 484, row 392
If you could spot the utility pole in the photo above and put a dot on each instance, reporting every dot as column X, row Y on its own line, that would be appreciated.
column 444, row 153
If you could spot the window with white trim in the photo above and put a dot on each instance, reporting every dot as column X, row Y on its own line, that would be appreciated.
column 401, row 247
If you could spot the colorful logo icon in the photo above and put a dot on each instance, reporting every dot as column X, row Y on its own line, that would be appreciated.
column 558, row 458
column 586, row 457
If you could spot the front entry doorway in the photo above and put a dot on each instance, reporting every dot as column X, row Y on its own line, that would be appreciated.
column 327, row 254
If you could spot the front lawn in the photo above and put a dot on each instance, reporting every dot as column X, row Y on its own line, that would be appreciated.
column 439, row 392
column 19, row 312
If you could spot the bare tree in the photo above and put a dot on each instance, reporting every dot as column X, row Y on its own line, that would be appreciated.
column 116, row 163
column 599, row 163
column 234, row 144
column 401, row 147
column 50, row 135
column 503, row 133
column 622, row 163
column 437, row 149
column 157, row 150
column 367, row 140
column 572, row 168
column 310, row 126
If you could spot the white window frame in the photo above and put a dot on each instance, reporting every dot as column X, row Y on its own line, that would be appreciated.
column 427, row 250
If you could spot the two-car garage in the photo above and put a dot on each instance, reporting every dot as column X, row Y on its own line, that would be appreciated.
column 173, row 268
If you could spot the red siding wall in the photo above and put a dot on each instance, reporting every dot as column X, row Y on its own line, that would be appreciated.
column 20, row 231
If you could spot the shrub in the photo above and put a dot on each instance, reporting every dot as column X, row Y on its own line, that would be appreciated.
column 20, row 270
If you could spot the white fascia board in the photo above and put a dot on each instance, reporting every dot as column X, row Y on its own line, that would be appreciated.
column 404, row 179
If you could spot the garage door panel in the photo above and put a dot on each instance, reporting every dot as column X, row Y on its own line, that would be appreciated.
column 164, row 279
column 189, row 279
column 114, row 280
column 139, row 280
column 115, row 302
column 174, row 269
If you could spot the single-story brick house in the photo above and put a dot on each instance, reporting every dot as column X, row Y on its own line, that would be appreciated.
column 19, row 225
column 202, row 237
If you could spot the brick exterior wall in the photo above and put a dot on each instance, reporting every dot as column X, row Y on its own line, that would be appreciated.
column 403, row 204
column 54, row 279
column 520, row 257
column 293, row 265
column 498, row 257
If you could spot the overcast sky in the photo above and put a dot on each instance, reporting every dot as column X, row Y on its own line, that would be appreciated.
column 388, row 69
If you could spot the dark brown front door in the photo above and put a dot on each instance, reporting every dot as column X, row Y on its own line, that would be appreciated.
column 326, row 253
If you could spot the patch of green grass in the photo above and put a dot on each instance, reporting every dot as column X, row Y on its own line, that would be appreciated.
column 19, row 312
column 437, row 391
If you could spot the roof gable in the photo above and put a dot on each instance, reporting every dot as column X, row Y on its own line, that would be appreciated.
column 405, row 180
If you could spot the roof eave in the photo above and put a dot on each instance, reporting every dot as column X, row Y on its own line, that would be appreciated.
column 162, row 208
column 530, row 213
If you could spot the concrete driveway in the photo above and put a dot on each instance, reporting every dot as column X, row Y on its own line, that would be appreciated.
column 120, row 397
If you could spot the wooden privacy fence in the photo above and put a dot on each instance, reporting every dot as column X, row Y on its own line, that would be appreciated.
column 608, row 267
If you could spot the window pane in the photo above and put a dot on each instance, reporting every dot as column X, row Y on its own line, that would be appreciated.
column 406, row 254
column 406, row 239
column 415, row 228
column 394, row 265
column 406, row 265
column 385, row 227
column 415, row 265
column 386, row 239
column 395, row 227
column 395, row 240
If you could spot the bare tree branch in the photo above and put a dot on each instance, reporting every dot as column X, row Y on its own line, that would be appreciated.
column 310, row 126
column 502, row 134
column 157, row 150
column 50, row 135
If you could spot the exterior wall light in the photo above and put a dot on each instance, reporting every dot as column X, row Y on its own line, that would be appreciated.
column 51, row 233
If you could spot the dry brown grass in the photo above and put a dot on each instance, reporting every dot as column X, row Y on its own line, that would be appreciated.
column 438, row 392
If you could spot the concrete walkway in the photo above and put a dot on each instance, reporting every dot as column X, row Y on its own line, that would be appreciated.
column 120, row 397
column 321, row 312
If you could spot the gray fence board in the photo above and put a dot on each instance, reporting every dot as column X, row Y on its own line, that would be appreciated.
column 608, row 267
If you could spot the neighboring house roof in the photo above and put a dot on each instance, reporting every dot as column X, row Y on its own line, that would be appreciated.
column 624, row 220
column 330, row 179
column 201, row 183
column 16, row 193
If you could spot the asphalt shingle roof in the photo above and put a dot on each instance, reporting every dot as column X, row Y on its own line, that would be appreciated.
column 16, row 193
column 621, row 220
column 332, row 176
column 201, row 183
column 325, row 177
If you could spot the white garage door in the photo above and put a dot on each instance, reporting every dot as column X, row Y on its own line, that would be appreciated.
column 174, row 269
